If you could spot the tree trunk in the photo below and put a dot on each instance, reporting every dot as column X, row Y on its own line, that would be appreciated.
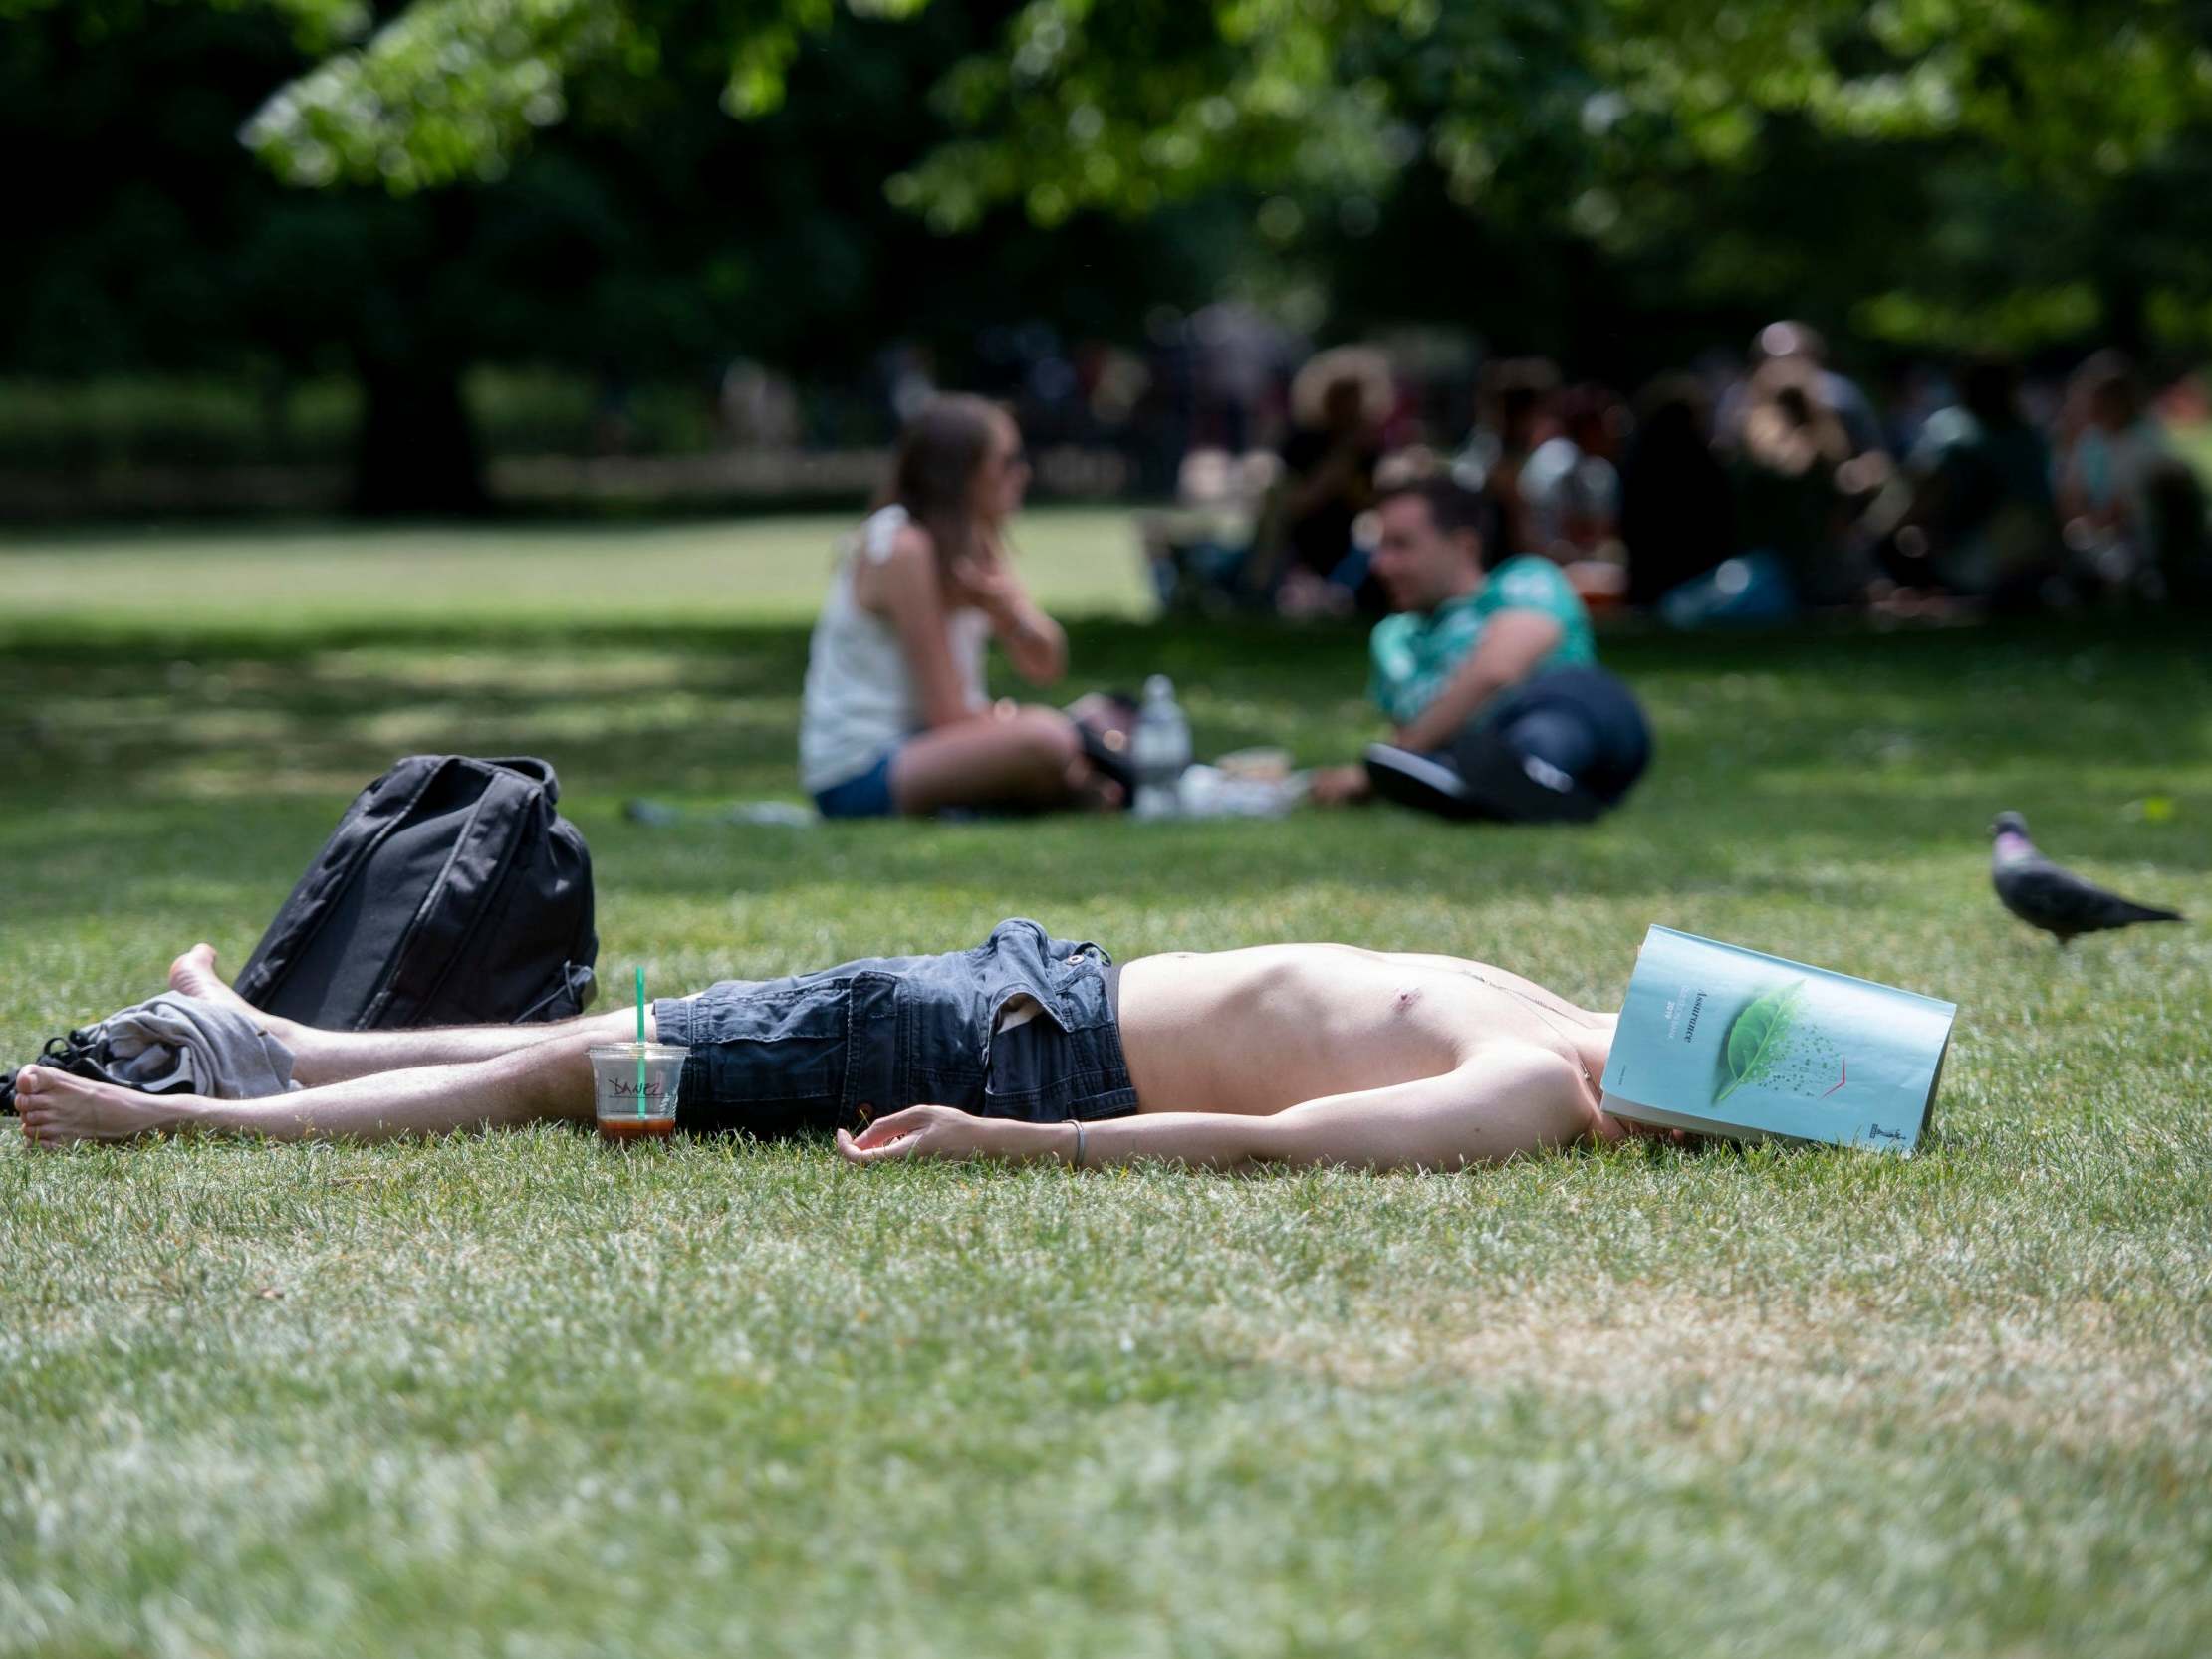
column 2125, row 323
column 416, row 453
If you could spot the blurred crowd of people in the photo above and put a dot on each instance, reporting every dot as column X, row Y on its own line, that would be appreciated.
column 1775, row 489
column 1738, row 492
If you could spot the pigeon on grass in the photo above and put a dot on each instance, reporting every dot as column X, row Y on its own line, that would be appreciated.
column 2056, row 900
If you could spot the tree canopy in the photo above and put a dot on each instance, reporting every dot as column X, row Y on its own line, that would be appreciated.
column 401, row 188
column 1076, row 103
column 1606, row 121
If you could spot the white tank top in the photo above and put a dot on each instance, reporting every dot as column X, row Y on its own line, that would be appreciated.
column 861, row 699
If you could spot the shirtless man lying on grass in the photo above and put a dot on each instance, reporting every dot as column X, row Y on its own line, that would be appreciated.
column 1025, row 1047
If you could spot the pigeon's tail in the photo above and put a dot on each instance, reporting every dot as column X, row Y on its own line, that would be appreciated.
column 2150, row 914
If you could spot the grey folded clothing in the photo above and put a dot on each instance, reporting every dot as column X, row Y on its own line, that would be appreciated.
column 173, row 1044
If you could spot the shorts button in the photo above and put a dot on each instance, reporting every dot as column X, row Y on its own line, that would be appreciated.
column 1078, row 957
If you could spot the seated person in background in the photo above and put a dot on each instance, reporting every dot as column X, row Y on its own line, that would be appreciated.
column 1488, row 677
column 1571, row 495
column 1791, row 490
column 1195, row 550
column 1516, row 414
column 1971, row 510
column 2179, row 535
column 2133, row 509
column 895, row 717
column 1803, row 350
column 1302, row 558
column 1569, row 486
column 1677, row 514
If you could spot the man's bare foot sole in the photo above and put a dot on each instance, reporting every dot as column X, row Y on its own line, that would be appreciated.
column 58, row 1109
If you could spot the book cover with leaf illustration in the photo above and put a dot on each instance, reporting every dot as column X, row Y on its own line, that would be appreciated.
column 1720, row 1039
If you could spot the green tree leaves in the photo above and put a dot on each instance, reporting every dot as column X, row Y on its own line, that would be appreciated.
column 1077, row 104
column 1605, row 121
column 451, row 90
column 444, row 93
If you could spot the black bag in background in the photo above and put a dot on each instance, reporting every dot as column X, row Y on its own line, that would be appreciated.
column 450, row 893
column 1106, row 721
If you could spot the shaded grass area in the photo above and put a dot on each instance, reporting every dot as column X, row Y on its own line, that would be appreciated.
column 515, row 1393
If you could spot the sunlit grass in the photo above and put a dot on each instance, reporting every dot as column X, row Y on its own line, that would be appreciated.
column 279, row 581
column 514, row 1394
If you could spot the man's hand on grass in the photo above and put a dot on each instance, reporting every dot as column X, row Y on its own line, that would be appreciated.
column 920, row 1132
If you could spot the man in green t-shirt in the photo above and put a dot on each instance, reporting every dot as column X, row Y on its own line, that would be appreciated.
column 1489, row 676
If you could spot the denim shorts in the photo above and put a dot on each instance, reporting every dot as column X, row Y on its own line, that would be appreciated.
column 837, row 1048
column 863, row 795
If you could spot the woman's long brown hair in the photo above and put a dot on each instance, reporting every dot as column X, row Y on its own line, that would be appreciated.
column 933, row 473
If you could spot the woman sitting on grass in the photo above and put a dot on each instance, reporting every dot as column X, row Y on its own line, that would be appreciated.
column 895, row 717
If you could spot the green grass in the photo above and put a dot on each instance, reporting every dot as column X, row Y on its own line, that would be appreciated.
column 518, row 1395
column 270, row 583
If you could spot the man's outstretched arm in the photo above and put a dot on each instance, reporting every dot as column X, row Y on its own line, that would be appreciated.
column 1513, row 1099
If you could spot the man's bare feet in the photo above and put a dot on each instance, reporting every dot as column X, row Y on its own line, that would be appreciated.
column 58, row 1109
column 193, row 975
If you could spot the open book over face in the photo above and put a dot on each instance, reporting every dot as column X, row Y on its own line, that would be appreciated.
column 1723, row 1041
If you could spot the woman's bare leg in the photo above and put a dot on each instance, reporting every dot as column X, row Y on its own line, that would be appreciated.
column 1029, row 757
column 331, row 1056
column 549, row 1081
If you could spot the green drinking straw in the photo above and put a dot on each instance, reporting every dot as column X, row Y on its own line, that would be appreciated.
column 641, row 1040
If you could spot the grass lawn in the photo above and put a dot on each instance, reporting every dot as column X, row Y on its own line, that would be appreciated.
column 519, row 1396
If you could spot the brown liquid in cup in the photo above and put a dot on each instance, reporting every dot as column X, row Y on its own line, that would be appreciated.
column 637, row 1129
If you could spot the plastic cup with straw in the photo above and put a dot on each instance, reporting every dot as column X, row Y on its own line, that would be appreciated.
column 636, row 1084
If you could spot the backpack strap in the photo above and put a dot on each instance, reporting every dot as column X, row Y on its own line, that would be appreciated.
column 533, row 768
column 456, row 904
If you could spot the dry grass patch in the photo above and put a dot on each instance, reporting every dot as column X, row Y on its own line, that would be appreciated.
column 1719, row 1368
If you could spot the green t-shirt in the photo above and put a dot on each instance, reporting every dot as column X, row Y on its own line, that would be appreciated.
column 1415, row 654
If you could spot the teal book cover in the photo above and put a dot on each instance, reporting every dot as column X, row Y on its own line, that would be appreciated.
column 1719, row 1040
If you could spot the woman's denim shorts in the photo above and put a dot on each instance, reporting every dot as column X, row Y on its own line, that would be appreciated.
column 839, row 1048
column 864, row 795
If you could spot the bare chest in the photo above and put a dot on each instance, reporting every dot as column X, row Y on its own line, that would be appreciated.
column 1204, row 1034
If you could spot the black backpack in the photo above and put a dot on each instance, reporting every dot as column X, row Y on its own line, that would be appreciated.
column 450, row 893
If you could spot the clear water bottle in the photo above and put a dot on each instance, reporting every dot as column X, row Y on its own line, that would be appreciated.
column 1159, row 750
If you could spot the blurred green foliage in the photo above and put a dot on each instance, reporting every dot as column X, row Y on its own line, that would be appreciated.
column 142, row 420
column 1925, row 172
column 557, row 187
column 647, row 242
column 124, row 420
column 1073, row 103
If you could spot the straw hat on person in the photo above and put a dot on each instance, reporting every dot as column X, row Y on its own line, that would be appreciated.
column 1358, row 366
